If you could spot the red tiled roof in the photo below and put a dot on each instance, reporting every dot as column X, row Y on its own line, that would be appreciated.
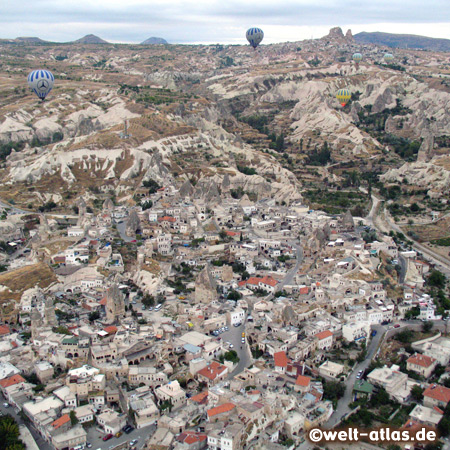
column 4, row 329
column 437, row 392
column 280, row 359
column 270, row 281
column 190, row 437
column 304, row 290
column 302, row 381
column 324, row 334
column 103, row 301
column 11, row 381
column 167, row 219
column 226, row 407
column 110, row 329
column 61, row 421
column 231, row 233
column 265, row 280
column 212, row 371
column 421, row 360
column 201, row 398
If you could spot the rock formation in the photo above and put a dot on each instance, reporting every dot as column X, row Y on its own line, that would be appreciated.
column 205, row 287
column 115, row 305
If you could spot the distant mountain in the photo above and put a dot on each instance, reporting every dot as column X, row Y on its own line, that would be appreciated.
column 154, row 40
column 403, row 41
column 90, row 39
column 30, row 40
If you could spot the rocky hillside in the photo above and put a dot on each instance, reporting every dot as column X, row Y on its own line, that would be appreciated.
column 403, row 41
column 226, row 119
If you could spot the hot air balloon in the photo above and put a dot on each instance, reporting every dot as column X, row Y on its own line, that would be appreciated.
column 357, row 57
column 41, row 82
column 254, row 36
column 388, row 57
column 343, row 95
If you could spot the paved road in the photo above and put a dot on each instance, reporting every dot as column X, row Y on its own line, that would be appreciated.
column 289, row 278
column 342, row 407
column 234, row 336
column 121, row 227
column 41, row 443
column 95, row 437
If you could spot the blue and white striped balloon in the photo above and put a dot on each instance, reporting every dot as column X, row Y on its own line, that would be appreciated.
column 254, row 36
column 41, row 82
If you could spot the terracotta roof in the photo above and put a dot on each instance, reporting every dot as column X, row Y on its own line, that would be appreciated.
column 11, row 381
column 304, row 290
column 302, row 381
column 437, row 392
column 103, row 301
column 4, row 329
column 270, row 281
column 110, row 329
column 231, row 233
column 421, row 360
column 201, row 399
column 280, row 359
column 167, row 219
column 324, row 334
column 226, row 407
column 212, row 371
column 265, row 280
column 190, row 437
column 61, row 421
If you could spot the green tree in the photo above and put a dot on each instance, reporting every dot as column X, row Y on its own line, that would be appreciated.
column 427, row 326
column 94, row 315
column 73, row 418
column 436, row 279
column 417, row 393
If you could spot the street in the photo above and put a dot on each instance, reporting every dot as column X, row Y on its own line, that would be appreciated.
column 343, row 403
column 234, row 336
column 41, row 443
column 95, row 437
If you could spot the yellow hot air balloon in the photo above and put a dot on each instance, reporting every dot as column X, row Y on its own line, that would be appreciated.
column 343, row 95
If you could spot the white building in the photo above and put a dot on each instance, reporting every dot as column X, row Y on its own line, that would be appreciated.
column 236, row 316
column 164, row 242
column 354, row 331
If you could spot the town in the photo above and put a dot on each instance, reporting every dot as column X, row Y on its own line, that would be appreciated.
column 197, row 320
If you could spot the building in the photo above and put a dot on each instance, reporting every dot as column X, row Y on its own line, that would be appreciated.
column 331, row 370
column 325, row 340
column 212, row 373
column 147, row 375
column 236, row 316
column 436, row 395
column 355, row 331
column 111, row 421
column 280, row 362
column 171, row 393
column 421, row 364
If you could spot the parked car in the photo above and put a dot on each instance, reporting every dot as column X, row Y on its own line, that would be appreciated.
column 118, row 434
column 397, row 325
column 107, row 437
column 374, row 333
column 88, row 445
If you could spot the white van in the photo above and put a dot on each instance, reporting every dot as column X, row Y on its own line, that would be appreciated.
column 158, row 307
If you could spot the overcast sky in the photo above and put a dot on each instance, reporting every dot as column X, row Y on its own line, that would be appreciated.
column 214, row 21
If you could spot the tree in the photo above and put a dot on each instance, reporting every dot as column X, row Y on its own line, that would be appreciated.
column 417, row 393
column 148, row 300
column 444, row 426
column 436, row 279
column 73, row 418
column 427, row 326
column 94, row 315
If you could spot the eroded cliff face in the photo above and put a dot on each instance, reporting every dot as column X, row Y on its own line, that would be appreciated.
column 170, row 121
